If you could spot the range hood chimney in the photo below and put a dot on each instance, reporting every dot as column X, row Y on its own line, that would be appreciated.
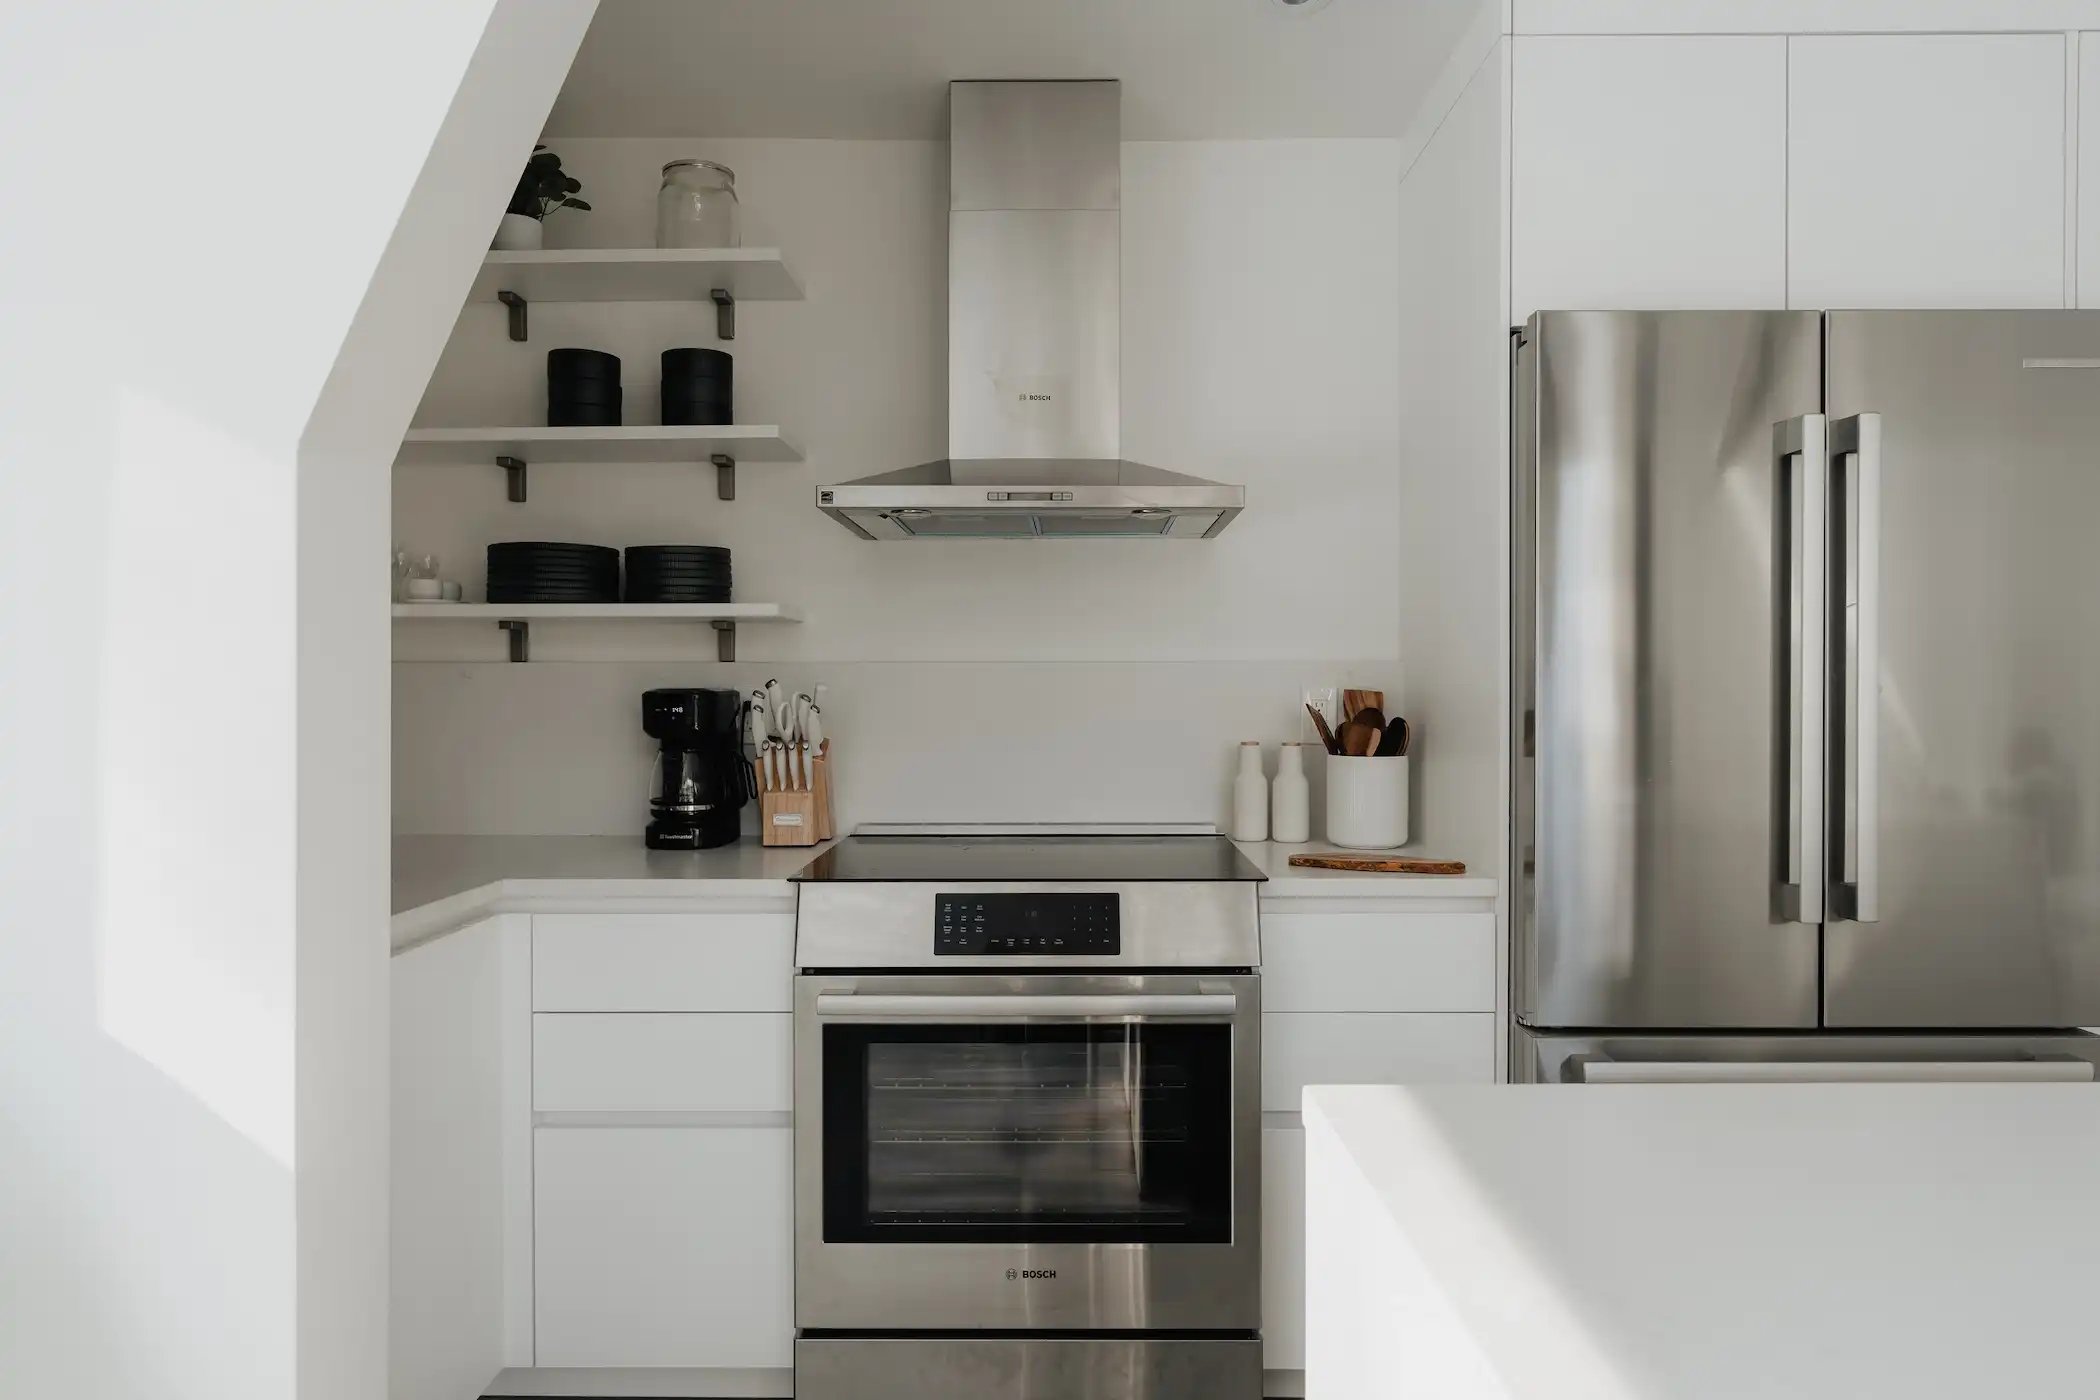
column 1034, row 341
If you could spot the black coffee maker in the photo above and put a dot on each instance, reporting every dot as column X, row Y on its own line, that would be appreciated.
column 702, row 780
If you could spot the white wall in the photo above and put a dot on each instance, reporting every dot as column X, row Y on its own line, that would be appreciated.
column 191, row 1128
column 1082, row 680
column 1454, row 515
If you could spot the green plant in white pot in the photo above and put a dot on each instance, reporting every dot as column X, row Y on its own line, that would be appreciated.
column 543, row 187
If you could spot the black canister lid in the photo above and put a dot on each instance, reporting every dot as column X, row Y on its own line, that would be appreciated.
column 572, row 363
column 697, row 362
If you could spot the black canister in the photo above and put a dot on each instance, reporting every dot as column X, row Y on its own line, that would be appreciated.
column 697, row 386
column 583, row 389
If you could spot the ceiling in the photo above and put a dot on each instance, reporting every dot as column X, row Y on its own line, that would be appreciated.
column 875, row 69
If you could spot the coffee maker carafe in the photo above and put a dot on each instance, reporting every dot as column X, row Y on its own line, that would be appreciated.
column 702, row 780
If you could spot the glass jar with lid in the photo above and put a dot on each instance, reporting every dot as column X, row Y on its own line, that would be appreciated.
column 696, row 208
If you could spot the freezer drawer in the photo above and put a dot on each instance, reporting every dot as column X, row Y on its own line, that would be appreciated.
column 1536, row 1058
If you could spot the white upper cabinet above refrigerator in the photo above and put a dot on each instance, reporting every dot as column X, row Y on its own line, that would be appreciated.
column 1648, row 172
column 1926, row 170
column 2089, row 170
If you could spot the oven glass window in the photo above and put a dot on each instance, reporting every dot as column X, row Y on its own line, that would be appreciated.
column 1100, row 1134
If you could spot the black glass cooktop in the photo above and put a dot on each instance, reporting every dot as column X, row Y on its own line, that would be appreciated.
column 1031, row 859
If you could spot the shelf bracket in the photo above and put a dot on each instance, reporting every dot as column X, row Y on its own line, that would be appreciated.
column 520, row 639
column 725, row 476
column 725, row 640
column 514, row 474
column 725, row 314
column 516, row 305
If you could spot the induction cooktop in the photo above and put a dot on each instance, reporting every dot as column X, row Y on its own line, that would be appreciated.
column 1030, row 859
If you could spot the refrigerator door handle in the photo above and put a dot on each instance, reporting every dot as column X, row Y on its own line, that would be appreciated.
column 1855, row 453
column 1801, row 457
column 1602, row 1069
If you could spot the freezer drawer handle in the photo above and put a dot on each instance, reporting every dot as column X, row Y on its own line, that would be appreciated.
column 1800, row 443
column 888, row 1007
column 1855, row 453
column 1600, row 1069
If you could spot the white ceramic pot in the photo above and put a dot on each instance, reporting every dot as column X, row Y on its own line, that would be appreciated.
column 1366, row 803
column 518, row 233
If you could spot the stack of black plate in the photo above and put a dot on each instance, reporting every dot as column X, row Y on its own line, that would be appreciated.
column 532, row 571
column 697, row 386
column 677, row 573
column 583, row 389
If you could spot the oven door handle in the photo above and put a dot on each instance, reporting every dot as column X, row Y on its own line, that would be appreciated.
column 1004, row 1006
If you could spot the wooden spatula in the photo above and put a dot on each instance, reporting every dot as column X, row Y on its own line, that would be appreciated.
column 1326, row 735
column 1355, row 702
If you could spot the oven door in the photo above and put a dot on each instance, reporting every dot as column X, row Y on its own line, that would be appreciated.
column 1071, row 1152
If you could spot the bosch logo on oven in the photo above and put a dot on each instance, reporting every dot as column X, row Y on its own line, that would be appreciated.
column 1031, row 1273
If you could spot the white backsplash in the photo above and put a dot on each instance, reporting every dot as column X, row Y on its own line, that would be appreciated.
column 1083, row 680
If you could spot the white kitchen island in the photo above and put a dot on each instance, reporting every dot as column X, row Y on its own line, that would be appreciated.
column 1701, row 1242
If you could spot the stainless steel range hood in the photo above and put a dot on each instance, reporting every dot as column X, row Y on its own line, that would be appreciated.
column 1034, row 341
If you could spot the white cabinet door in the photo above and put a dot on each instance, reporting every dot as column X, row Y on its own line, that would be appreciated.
column 663, row 962
column 1377, row 962
column 664, row 1247
column 1647, row 172
column 2089, row 170
column 1283, row 1249
column 662, row 1063
column 1926, row 170
column 1297, row 1050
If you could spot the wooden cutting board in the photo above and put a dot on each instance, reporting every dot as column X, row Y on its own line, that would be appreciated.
column 1382, row 865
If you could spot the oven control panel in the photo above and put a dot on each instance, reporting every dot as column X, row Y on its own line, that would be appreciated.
column 1027, row 925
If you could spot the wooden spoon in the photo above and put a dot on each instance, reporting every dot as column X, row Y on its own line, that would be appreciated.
column 1357, row 739
column 1371, row 715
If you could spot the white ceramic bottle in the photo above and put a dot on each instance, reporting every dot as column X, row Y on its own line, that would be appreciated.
column 1250, row 797
column 1290, row 799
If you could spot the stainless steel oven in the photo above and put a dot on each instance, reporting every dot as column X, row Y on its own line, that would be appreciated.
column 1028, row 1121
column 1055, row 1151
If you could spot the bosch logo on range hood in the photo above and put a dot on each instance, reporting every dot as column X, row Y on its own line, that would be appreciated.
column 1034, row 332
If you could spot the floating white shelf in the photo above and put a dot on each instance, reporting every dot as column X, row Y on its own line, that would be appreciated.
column 582, row 612
column 517, row 618
column 514, row 448
column 746, row 442
column 637, row 274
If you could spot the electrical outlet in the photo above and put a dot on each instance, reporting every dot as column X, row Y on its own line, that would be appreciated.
column 1325, row 699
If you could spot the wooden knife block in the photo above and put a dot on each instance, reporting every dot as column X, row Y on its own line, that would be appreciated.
column 797, row 816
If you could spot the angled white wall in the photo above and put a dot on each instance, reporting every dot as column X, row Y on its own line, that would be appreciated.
column 192, row 810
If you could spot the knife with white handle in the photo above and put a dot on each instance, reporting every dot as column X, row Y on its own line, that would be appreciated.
column 813, row 729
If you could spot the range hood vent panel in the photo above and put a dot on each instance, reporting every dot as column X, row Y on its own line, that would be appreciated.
column 1034, row 341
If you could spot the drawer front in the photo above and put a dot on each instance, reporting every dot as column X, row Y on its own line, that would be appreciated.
column 662, row 1063
column 664, row 1247
column 1378, row 962
column 1298, row 1050
column 662, row 962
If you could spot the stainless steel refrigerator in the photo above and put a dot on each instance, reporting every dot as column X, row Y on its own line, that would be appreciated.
column 1806, row 689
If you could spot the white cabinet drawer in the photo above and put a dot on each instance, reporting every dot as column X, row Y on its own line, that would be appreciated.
column 658, row 1063
column 1298, row 1050
column 663, row 962
column 1378, row 962
column 1283, row 1249
column 664, row 1247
